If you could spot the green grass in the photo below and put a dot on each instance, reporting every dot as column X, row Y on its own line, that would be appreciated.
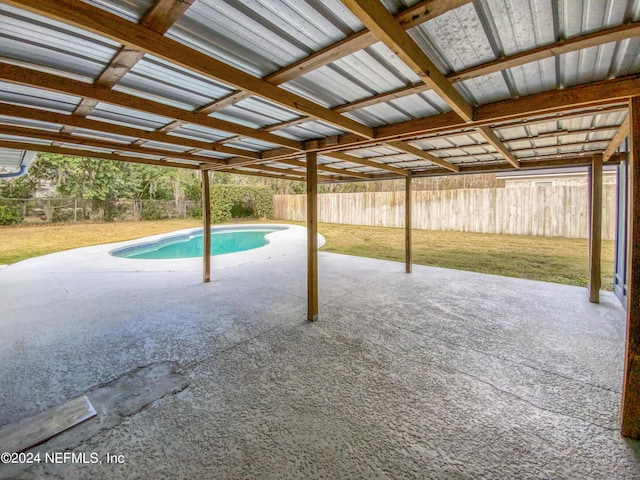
column 561, row 260
column 21, row 242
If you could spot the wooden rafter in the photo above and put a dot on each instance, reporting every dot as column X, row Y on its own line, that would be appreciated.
column 262, row 174
column 102, row 144
column 375, row 16
column 118, row 67
column 26, row 76
column 159, row 19
column 565, row 46
column 421, row 154
column 493, row 139
column 164, row 14
column 102, row 22
column 575, row 102
column 561, row 132
column 224, row 102
column 260, row 165
column 330, row 169
column 293, row 176
column 101, row 155
column 271, row 169
column 605, row 93
column 366, row 162
column 548, row 51
column 618, row 138
column 525, row 164
column 585, row 143
column 79, row 122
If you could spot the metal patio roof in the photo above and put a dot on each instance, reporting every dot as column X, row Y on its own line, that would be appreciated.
column 379, row 89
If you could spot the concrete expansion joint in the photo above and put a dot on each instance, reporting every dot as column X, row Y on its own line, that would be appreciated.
column 222, row 351
column 417, row 331
column 514, row 362
column 522, row 399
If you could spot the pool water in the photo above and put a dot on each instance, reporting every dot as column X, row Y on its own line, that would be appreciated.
column 190, row 245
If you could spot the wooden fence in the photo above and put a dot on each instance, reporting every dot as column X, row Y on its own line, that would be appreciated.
column 559, row 211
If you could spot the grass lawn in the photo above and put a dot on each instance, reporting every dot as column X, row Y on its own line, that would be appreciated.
column 549, row 259
column 22, row 242
column 561, row 260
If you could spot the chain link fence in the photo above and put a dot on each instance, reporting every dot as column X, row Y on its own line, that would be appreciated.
column 73, row 210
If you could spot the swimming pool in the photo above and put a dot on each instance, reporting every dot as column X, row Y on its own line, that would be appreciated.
column 189, row 245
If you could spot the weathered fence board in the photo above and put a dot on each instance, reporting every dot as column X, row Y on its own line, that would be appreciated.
column 557, row 211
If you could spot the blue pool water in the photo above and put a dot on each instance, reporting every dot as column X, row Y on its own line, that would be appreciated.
column 223, row 240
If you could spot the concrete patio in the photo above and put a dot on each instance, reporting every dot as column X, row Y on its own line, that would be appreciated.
column 434, row 374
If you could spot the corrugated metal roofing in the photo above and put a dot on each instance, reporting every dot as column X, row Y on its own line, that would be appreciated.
column 132, row 10
column 309, row 130
column 11, row 160
column 156, row 79
column 128, row 117
column 25, row 122
column 197, row 132
column 28, row 96
column 260, row 37
column 34, row 39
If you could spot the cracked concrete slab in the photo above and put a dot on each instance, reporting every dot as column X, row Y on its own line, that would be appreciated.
column 436, row 374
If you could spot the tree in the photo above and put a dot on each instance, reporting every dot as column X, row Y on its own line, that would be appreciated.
column 18, row 187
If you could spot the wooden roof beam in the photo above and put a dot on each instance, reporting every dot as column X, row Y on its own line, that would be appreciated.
column 618, row 138
column 285, row 175
column 328, row 168
column 102, row 144
column 422, row 155
column 75, row 121
column 548, row 51
column 164, row 13
column 159, row 19
column 604, row 93
column 261, row 174
column 378, row 19
column 565, row 46
column 345, row 157
column 493, row 139
column 375, row 16
column 101, row 155
column 408, row 18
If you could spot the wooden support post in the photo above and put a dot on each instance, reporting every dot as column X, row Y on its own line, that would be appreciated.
column 206, row 231
column 631, row 382
column 312, row 236
column 595, row 228
column 407, row 223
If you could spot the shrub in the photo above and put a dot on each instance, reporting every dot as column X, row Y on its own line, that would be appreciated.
column 151, row 211
column 195, row 212
column 247, row 200
column 10, row 215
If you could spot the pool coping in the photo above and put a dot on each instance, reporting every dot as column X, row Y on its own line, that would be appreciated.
column 172, row 238
column 290, row 241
